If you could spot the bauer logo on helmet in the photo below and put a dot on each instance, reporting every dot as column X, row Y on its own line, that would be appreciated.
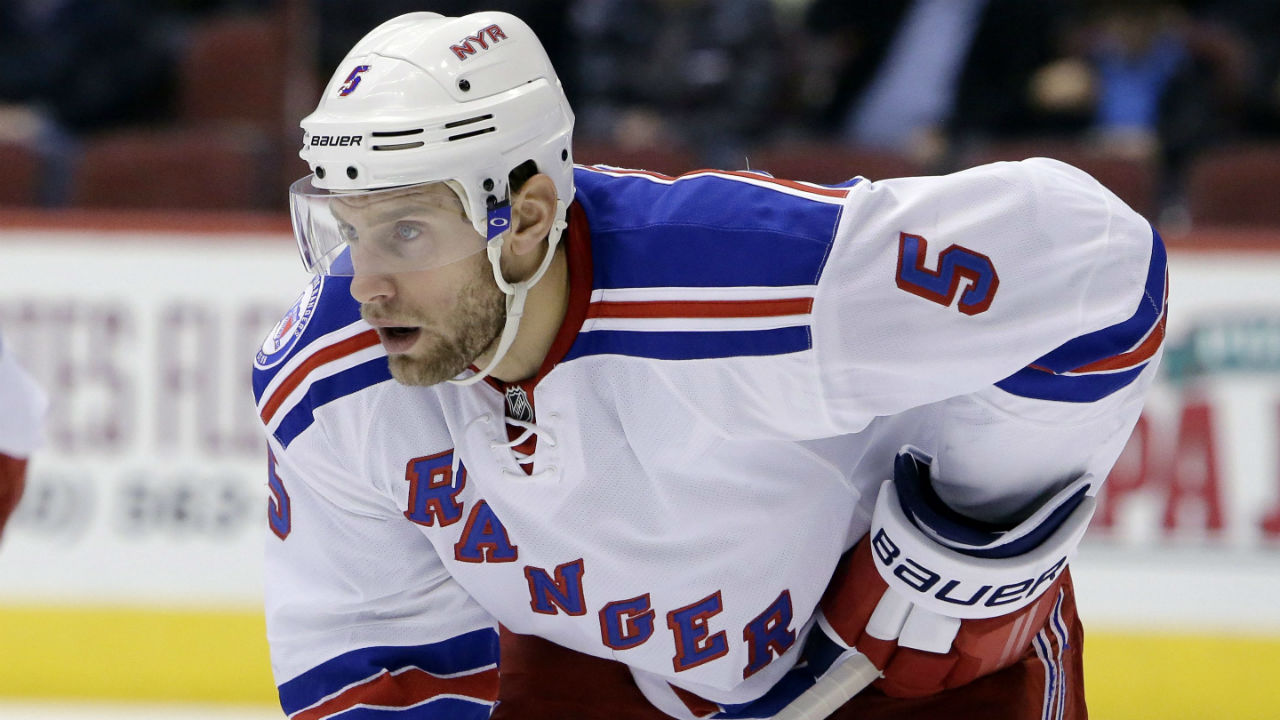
column 335, row 140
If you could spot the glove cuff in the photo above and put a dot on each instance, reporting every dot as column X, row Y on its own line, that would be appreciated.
column 918, row 563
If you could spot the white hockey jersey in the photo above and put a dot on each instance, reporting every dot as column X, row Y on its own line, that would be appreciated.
column 741, row 359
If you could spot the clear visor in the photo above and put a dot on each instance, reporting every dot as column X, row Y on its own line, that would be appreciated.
column 400, row 229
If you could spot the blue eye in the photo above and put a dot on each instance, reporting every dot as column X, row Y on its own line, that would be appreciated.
column 407, row 231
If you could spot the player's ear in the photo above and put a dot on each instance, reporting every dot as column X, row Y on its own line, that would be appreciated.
column 533, row 210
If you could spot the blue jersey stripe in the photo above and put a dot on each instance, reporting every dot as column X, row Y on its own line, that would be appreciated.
column 846, row 184
column 328, row 389
column 675, row 345
column 783, row 693
column 1122, row 336
column 703, row 231
column 693, row 256
column 439, row 709
column 469, row 651
column 1041, row 385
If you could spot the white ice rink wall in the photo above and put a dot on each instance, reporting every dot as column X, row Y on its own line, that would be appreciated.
column 133, row 562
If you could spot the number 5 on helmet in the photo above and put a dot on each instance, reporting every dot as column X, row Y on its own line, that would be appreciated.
column 937, row 600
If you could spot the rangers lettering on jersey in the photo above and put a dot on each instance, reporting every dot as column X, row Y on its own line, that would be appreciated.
column 624, row 624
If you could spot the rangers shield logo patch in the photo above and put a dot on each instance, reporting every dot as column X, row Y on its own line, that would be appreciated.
column 285, row 334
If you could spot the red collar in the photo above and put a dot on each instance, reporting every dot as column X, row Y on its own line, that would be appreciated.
column 577, row 241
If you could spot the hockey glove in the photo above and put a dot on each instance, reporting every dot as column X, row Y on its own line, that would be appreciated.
column 937, row 600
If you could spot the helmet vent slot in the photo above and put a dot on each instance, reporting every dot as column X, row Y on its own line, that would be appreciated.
column 468, row 121
column 395, row 133
column 473, row 133
column 400, row 146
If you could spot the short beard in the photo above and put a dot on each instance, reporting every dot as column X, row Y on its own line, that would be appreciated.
column 477, row 322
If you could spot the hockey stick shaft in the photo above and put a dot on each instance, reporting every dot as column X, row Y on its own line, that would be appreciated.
column 832, row 691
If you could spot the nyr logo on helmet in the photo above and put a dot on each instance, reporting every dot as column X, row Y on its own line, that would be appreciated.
column 353, row 80
column 285, row 334
column 467, row 45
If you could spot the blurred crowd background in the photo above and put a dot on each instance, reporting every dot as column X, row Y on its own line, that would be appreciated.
column 194, row 104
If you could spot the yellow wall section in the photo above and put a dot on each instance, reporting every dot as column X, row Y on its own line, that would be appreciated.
column 115, row 653
column 168, row 655
column 1131, row 676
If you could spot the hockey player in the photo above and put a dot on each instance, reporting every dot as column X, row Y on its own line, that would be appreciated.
column 22, row 405
column 551, row 441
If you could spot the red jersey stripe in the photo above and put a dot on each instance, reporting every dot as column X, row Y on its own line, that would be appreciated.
column 700, row 309
column 405, row 689
column 337, row 351
column 817, row 190
column 1132, row 358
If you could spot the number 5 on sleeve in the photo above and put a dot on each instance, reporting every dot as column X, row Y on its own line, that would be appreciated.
column 942, row 285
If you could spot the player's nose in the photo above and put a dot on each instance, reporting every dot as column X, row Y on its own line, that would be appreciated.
column 372, row 288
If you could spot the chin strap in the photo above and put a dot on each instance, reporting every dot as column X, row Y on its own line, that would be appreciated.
column 516, row 292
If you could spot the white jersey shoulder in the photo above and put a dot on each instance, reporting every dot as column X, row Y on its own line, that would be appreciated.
column 1030, row 275
column 708, row 280
column 836, row 305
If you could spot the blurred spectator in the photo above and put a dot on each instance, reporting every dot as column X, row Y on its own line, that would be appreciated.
column 1156, row 79
column 908, row 73
column 606, row 79
column 75, row 67
column 936, row 81
column 701, row 74
column 1127, row 61
column 86, row 65
column 1136, row 54
column 1243, row 34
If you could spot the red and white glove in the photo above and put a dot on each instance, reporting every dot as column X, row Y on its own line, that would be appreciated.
column 936, row 600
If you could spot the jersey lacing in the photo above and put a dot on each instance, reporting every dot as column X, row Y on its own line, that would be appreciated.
column 542, row 438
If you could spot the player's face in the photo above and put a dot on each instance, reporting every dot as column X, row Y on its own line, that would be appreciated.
column 436, row 322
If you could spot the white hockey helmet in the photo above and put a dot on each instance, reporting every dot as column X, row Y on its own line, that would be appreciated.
column 425, row 98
